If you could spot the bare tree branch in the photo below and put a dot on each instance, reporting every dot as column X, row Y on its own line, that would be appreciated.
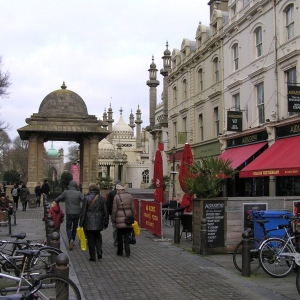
column 4, row 81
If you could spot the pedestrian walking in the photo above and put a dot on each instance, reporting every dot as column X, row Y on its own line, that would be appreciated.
column 24, row 196
column 45, row 190
column 72, row 197
column 15, row 193
column 57, row 215
column 93, row 219
column 38, row 194
column 109, row 203
column 123, row 206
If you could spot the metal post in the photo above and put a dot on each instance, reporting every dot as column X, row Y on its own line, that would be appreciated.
column 203, row 244
column 177, row 229
column 62, row 268
column 51, row 228
column 55, row 243
column 15, row 216
column 246, row 271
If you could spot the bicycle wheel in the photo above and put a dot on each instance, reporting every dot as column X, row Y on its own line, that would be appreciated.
column 272, row 261
column 254, row 256
column 57, row 287
column 44, row 262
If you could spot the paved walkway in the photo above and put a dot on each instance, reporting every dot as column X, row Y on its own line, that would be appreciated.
column 157, row 269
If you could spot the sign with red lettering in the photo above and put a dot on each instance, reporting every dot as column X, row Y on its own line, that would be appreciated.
column 151, row 216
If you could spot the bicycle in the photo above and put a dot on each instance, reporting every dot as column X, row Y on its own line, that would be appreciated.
column 278, row 256
column 43, row 262
column 46, row 287
column 254, row 250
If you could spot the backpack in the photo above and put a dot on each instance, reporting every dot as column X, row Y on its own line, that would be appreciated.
column 15, row 192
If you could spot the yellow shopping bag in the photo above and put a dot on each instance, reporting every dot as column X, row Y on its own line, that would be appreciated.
column 136, row 228
column 81, row 237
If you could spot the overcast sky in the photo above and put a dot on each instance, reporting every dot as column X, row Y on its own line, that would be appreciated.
column 102, row 49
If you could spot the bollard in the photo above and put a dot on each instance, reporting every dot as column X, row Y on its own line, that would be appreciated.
column 48, row 219
column 55, row 243
column 177, row 229
column 15, row 217
column 62, row 268
column 55, row 240
column 297, row 238
column 246, row 246
column 51, row 228
column 203, row 245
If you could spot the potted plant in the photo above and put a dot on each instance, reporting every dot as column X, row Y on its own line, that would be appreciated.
column 207, row 177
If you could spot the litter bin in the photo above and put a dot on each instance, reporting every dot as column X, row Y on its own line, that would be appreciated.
column 32, row 203
column 275, row 218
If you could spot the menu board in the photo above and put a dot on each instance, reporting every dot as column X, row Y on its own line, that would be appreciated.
column 214, row 212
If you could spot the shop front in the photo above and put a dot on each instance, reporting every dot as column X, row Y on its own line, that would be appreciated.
column 279, row 164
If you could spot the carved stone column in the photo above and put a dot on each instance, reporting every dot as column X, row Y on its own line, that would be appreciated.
column 85, row 165
column 32, row 162
column 94, row 140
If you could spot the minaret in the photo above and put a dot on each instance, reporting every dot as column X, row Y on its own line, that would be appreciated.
column 138, row 123
column 164, row 72
column 105, row 118
column 131, row 120
column 110, row 120
column 152, row 83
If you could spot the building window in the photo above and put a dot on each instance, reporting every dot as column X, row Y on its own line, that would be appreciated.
column 217, row 121
column 216, row 69
column 145, row 175
column 201, row 127
column 291, row 79
column 184, row 124
column 215, row 28
column 235, row 57
column 175, row 131
column 184, row 89
column 236, row 102
column 200, row 76
column 289, row 17
column 260, row 103
column 258, row 42
column 175, row 95
column 233, row 10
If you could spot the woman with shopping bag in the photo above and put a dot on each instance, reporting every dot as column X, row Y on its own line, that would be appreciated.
column 93, row 219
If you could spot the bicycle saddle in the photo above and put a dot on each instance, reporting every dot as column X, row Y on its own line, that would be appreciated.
column 28, row 252
column 21, row 235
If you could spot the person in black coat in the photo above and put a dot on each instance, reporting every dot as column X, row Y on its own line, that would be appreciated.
column 38, row 193
column 45, row 190
column 109, row 203
column 93, row 219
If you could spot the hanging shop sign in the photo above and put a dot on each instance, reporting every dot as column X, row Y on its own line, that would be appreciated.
column 235, row 121
column 293, row 98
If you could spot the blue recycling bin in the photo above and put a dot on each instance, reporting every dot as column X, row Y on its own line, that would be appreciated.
column 275, row 218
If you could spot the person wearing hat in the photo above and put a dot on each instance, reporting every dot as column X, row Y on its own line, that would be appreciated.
column 109, row 204
column 123, row 206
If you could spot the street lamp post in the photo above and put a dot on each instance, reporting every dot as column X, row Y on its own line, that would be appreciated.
column 173, row 152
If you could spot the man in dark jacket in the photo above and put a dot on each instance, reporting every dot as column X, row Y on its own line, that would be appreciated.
column 45, row 190
column 72, row 198
column 109, row 203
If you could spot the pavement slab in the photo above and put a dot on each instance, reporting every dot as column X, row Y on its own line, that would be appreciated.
column 157, row 269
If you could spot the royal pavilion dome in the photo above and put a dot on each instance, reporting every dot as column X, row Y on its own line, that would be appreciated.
column 121, row 130
column 106, row 150
column 52, row 152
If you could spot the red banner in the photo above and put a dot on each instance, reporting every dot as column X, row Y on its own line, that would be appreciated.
column 75, row 173
column 151, row 216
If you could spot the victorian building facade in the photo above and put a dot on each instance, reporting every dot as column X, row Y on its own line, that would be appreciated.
column 226, row 93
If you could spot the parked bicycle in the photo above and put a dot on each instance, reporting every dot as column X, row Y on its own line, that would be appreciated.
column 43, row 262
column 51, row 286
column 278, row 256
column 254, row 250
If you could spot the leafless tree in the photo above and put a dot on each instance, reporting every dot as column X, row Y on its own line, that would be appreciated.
column 4, row 81
column 73, row 152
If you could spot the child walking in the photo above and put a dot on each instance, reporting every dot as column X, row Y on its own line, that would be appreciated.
column 57, row 215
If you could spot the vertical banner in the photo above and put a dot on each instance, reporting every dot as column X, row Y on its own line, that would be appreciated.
column 182, row 137
column 161, row 146
column 293, row 98
column 75, row 173
column 235, row 121
column 151, row 216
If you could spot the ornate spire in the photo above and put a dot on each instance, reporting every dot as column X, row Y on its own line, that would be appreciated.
column 63, row 86
column 121, row 110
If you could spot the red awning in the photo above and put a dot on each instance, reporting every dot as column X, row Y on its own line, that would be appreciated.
column 240, row 154
column 281, row 159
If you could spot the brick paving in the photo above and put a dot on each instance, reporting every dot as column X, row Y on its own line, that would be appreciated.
column 157, row 269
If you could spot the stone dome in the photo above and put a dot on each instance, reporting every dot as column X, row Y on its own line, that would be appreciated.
column 63, row 102
column 122, row 130
column 106, row 150
column 52, row 152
